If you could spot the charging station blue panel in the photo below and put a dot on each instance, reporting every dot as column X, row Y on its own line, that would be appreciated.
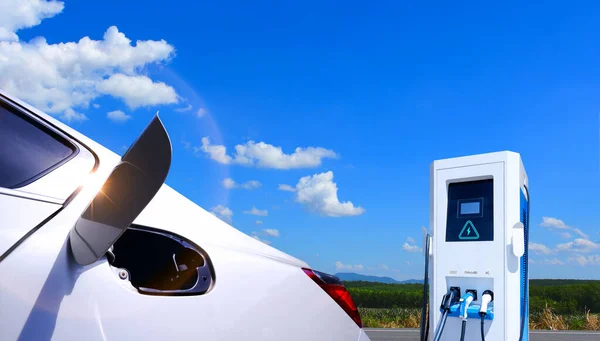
column 524, row 206
column 472, row 312
column 470, row 215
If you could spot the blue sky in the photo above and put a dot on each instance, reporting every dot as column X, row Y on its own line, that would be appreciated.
column 370, row 93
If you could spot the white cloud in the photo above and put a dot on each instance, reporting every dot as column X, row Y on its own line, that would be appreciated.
column 578, row 245
column 224, row 213
column 554, row 223
column 580, row 233
column 583, row 261
column 229, row 183
column 272, row 232
column 96, row 105
column 553, row 261
column 408, row 263
column 201, row 112
column 410, row 248
column 383, row 267
column 70, row 75
column 137, row 91
column 319, row 194
column 252, row 184
column 264, row 155
column 539, row 249
column 216, row 152
column 547, row 261
column 259, row 222
column 566, row 235
column 410, row 240
column 118, row 116
column 19, row 14
column 255, row 211
column 262, row 240
column 265, row 232
column 286, row 188
column 340, row 266
column 184, row 109
column 70, row 115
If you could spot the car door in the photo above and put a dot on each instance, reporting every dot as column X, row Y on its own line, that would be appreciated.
column 39, row 169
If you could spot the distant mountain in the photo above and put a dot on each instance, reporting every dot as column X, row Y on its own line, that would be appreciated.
column 412, row 281
column 350, row 276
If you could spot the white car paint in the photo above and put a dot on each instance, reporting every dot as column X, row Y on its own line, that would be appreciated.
column 259, row 293
column 19, row 215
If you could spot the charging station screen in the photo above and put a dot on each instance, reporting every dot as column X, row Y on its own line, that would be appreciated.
column 470, row 208
column 470, row 211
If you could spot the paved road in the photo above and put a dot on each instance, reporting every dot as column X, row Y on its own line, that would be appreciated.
column 413, row 335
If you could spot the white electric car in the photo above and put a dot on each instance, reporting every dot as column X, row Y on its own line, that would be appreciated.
column 97, row 247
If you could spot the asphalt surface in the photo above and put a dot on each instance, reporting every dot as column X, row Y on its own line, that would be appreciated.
column 542, row 335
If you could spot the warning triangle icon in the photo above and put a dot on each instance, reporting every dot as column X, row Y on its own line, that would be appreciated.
column 469, row 232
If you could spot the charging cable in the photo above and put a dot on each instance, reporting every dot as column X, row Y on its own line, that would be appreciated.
column 450, row 298
column 424, row 313
column 488, row 296
column 465, row 302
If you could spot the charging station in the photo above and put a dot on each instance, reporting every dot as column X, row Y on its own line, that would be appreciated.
column 477, row 249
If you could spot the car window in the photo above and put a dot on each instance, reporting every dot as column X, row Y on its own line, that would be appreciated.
column 27, row 149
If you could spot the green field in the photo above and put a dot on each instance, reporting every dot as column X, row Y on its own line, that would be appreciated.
column 554, row 304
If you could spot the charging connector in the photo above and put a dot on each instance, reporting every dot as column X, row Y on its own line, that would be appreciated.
column 449, row 299
column 488, row 296
column 465, row 302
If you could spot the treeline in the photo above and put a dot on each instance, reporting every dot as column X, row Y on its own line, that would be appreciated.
column 565, row 298
column 381, row 295
column 562, row 296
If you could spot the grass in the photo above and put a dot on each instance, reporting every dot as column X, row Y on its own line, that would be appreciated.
column 547, row 319
column 411, row 317
column 390, row 317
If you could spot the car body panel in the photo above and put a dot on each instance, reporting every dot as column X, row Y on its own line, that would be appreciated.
column 19, row 216
column 254, row 298
column 171, row 211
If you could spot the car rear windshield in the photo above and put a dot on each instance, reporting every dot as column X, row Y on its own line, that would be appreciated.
column 27, row 149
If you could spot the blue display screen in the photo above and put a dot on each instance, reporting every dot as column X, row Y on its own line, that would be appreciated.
column 470, row 208
column 470, row 215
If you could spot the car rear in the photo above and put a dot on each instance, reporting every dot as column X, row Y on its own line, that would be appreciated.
column 334, row 287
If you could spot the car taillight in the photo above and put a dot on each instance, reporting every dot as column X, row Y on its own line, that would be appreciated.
column 336, row 290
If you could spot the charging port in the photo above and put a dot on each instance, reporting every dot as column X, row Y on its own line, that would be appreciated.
column 472, row 292
column 456, row 290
